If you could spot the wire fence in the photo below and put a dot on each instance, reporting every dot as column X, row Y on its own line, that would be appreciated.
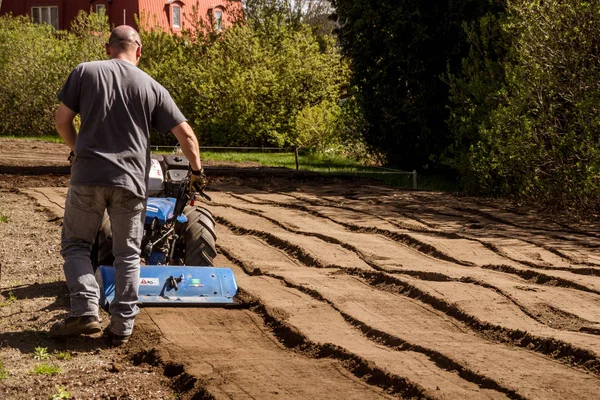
column 372, row 171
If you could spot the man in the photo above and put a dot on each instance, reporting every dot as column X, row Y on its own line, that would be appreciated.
column 118, row 104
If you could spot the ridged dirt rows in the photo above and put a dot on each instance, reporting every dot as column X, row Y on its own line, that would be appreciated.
column 363, row 291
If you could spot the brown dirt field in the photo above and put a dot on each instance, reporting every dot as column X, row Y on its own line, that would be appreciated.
column 350, row 289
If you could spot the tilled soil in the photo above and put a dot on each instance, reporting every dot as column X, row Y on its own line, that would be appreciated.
column 350, row 290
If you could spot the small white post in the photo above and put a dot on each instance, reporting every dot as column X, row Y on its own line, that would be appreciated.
column 124, row 17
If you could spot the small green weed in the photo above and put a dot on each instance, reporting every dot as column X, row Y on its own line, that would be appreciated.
column 11, row 299
column 62, row 355
column 61, row 393
column 41, row 353
column 46, row 369
column 3, row 371
column 3, row 219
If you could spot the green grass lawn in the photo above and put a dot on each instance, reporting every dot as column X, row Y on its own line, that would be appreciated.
column 52, row 139
column 312, row 162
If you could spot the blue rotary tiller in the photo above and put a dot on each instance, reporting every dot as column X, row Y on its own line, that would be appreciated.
column 178, row 246
column 177, row 286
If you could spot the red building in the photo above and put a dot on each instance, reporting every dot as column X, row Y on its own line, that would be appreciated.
column 171, row 15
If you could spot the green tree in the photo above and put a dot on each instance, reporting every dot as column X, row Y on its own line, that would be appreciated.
column 476, row 90
column 35, row 61
column 316, row 127
column 539, row 141
column 247, row 86
column 254, row 84
column 399, row 51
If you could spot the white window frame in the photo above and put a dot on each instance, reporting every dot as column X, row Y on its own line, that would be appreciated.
column 176, row 23
column 218, row 19
column 47, row 18
column 101, row 9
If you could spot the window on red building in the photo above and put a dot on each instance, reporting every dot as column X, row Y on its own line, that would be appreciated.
column 100, row 9
column 45, row 15
column 176, row 17
column 218, row 19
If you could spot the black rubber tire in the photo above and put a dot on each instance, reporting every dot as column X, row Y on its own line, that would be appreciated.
column 200, row 237
column 102, row 248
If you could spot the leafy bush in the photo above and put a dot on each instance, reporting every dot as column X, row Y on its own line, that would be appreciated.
column 35, row 61
column 537, row 139
column 259, row 83
column 316, row 127
column 246, row 86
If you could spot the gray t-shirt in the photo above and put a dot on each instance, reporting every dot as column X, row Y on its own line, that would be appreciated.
column 118, row 104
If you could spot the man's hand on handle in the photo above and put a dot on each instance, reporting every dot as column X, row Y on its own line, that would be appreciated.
column 191, row 149
column 198, row 182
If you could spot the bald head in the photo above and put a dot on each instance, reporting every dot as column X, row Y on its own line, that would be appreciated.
column 124, row 37
column 125, row 43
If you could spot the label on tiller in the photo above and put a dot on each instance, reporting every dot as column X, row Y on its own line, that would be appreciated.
column 149, row 282
column 196, row 283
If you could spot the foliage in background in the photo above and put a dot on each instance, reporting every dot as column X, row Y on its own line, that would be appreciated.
column 537, row 136
column 399, row 50
column 315, row 13
column 248, row 85
column 316, row 127
column 476, row 90
column 35, row 61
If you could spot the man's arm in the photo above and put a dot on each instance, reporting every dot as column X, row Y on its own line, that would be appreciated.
column 64, row 125
column 189, row 144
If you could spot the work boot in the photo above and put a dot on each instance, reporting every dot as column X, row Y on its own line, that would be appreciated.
column 71, row 326
column 115, row 339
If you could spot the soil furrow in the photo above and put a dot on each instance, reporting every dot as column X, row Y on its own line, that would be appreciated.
column 427, row 276
column 360, row 367
column 419, row 244
column 394, row 343
column 418, row 274
column 331, row 283
column 562, row 282
column 454, row 217
column 234, row 354
column 399, row 237
column 561, row 254
column 504, row 221
column 563, row 300
column 402, row 225
column 391, row 341
column 559, row 350
column 539, row 278
column 452, row 203
column 575, row 270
